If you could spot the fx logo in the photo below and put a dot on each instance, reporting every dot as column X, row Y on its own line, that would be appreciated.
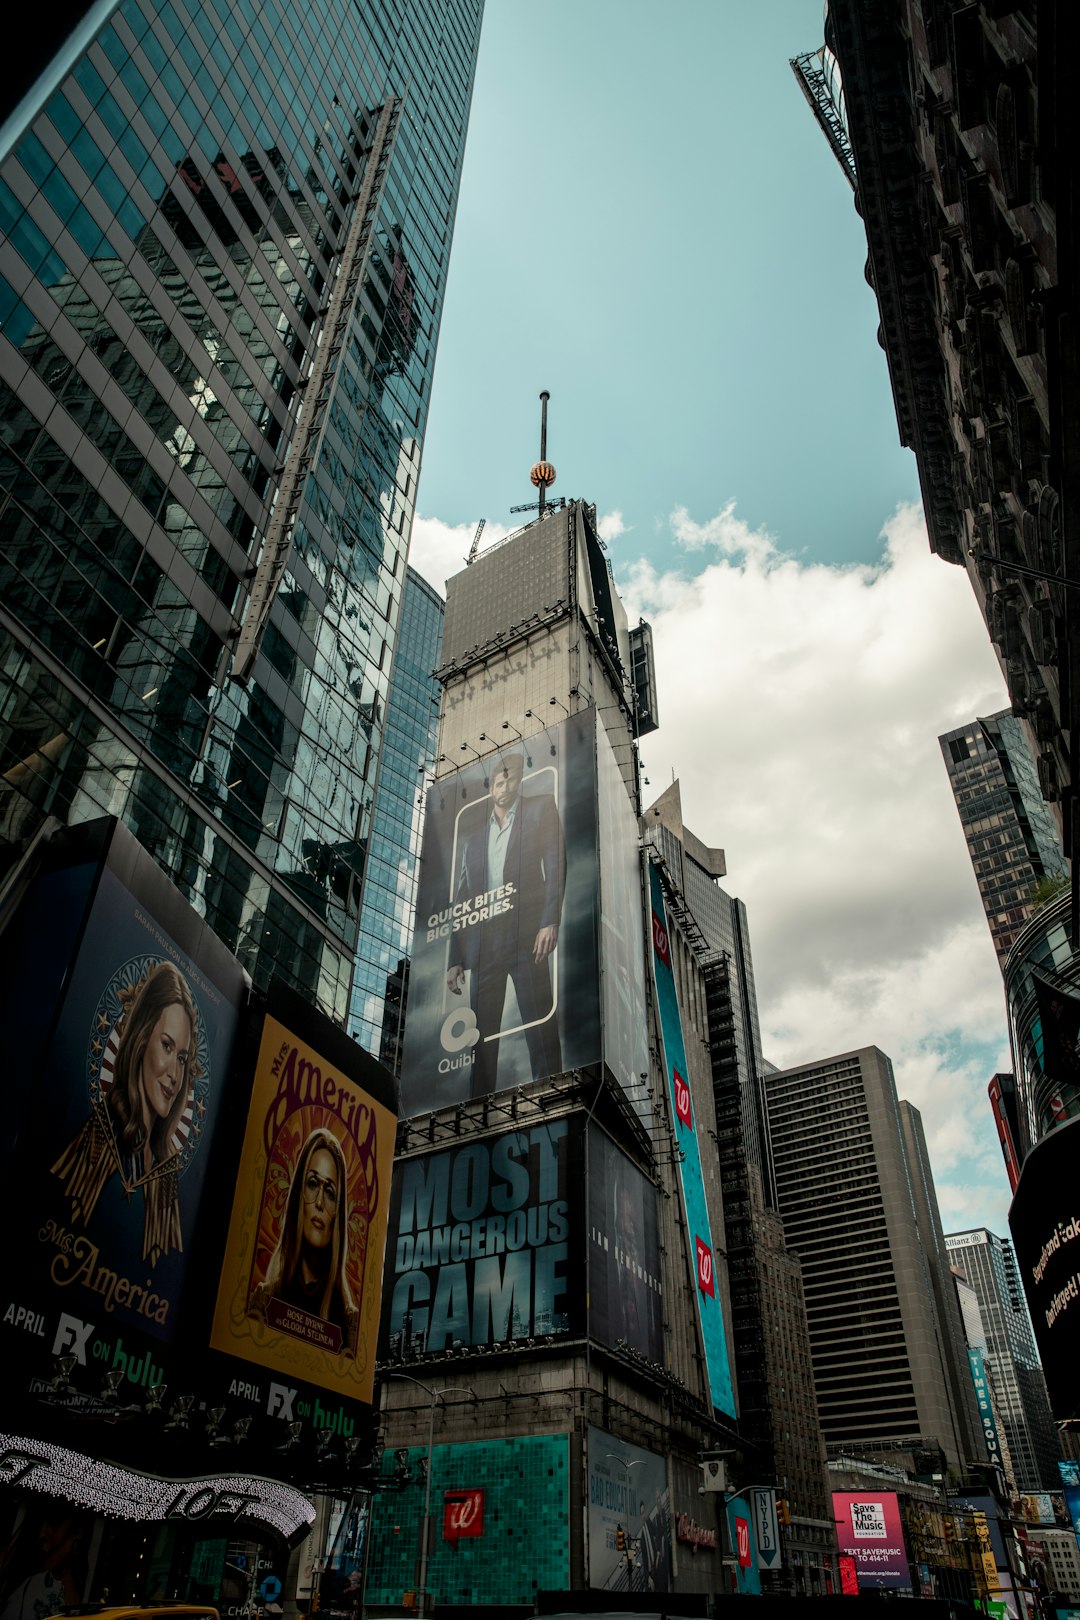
column 682, row 1100
column 72, row 1335
column 279, row 1402
column 705, row 1274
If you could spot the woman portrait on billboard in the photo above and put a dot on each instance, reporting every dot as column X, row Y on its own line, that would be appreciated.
column 307, row 1268
column 144, row 1088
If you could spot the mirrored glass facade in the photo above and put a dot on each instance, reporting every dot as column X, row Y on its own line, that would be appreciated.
column 177, row 205
column 377, row 1008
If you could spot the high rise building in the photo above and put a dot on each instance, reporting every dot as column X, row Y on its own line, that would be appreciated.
column 389, row 893
column 950, row 1328
column 1011, row 836
column 844, row 1191
column 226, row 233
column 770, row 1337
column 988, row 1264
column 957, row 126
column 556, row 1331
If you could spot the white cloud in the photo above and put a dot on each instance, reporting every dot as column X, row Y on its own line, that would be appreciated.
column 611, row 526
column 800, row 708
column 438, row 550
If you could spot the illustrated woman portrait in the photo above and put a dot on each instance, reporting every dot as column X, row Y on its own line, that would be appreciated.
column 140, row 1126
column 306, row 1274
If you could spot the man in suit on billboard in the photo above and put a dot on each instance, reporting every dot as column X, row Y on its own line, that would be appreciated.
column 518, row 849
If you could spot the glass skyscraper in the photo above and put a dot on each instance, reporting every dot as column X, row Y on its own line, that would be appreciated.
column 377, row 1008
column 226, row 229
column 988, row 1263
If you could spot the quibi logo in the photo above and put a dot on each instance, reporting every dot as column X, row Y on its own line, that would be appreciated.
column 458, row 1035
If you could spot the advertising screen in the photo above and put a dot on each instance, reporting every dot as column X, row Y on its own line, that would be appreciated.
column 707, row 1293
column 504, row 982
column 1046, row 1236
column 301, row 1276
column 622, row 954
column 625, row 1298
column 134, row 1059
column 628, row 1494
column 485, row 1242
column 868, row 1529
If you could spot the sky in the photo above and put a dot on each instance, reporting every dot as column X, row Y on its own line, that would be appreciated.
column 652, row 227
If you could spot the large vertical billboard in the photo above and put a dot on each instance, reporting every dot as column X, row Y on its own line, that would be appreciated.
column 691, row 1182
column 869, row 1530
column 132, row 1061
column 986, row 1407
column 622, row 952
column 1045, row 1228
column 629, row 1517
column 625, row 1291
column 504, row 978
column 486, row 1243
column 300, row 1282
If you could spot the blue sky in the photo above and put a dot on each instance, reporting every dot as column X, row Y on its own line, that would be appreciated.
column 652, row 227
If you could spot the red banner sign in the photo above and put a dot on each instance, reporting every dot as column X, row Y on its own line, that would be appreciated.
column 661, row 943
column 463, row 1515
column 682, row 1100
column 706, row 1271
column 742, row 1541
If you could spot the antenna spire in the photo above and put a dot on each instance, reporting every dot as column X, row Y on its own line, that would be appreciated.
column 543, row 473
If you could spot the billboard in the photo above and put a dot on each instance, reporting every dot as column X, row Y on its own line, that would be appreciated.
column 691, row 1183
column 1045, row 1231
column 485, row 1243
column 986, row 1409
column 1070, row 1485
column 128, row 1040
column 625, row 1294
column 299, row 1290
column 504, row 977
column 622, row 948
column 868, row 1530
column 628, row 1493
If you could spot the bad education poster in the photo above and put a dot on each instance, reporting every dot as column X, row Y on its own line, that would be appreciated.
column 300, row 1280
column 504, row 981
column 111, row 1168
column 485, row 1242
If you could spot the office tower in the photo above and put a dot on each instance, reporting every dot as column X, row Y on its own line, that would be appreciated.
column 389, row 893
column 844, row 1192
column 960, row 126
column 988, row 1264
column 226, row 242
column 555, row 1334
column 952, row 1344
column 770, row 1338
column 1011, row 836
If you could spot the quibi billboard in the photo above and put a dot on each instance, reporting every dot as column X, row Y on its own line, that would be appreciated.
column 513, row 975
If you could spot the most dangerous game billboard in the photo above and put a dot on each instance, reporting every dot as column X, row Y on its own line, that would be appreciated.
column 486, row 1243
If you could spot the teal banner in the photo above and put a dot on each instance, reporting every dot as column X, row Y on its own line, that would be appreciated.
column 710, row 1313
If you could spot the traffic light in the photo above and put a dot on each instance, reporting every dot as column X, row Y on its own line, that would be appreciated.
column 316, row 1600
column 783, row 1511
column 620, row 1538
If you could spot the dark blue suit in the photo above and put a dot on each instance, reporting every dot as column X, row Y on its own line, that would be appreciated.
column 501, row 947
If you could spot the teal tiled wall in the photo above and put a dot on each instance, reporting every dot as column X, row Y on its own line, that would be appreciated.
column 525, row 1544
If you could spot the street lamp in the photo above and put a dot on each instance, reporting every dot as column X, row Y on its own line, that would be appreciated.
column 434, row 1395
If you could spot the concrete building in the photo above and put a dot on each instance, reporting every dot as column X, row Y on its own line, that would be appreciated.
column 225, row 244
column 844, row 1191
column 770, row 1337
column 988, row 1264
column 956, row 125
column 1061, row 1558
column 1013, row 841
column 556, row 1326
column 376, row 1018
